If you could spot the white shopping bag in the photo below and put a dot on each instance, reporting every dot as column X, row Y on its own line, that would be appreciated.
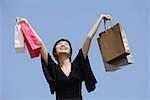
column 19, row 39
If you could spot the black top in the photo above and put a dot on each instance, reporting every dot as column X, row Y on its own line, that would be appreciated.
column 69, row 87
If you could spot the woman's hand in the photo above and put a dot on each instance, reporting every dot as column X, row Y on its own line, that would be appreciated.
column 97, row 24
column 20, row 20
column 105, row 17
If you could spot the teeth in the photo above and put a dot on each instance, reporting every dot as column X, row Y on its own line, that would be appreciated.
column 62, row 48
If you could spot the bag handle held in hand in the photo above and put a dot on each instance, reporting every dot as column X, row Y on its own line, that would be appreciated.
column 105, row 23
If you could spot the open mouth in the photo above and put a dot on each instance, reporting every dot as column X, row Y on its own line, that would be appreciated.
column 63, row 48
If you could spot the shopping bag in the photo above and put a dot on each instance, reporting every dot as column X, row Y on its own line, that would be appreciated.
column 114, row 47
column 119, row 64
column 19, row 39
column 31, row 41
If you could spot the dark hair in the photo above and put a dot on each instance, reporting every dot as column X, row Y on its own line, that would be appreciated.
column 54, row 48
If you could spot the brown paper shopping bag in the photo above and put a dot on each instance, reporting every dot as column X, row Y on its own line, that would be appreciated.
column 114, row 47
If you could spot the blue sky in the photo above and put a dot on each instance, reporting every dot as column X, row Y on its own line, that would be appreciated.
column 21, row 78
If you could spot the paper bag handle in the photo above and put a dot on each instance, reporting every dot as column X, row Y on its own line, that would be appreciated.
column 110, row 23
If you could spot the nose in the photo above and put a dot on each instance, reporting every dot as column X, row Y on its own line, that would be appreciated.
column 63, row 45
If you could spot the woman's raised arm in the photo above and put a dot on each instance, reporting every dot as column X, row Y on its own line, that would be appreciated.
column 44, row 52
column 88, row 39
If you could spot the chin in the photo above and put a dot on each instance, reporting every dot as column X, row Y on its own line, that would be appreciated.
column 63, row 52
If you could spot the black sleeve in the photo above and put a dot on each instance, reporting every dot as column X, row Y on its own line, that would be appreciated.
column 86, row 71
column 49, row 72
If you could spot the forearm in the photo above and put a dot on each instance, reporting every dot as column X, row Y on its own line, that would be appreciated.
column 88, row 39
column 86, row 46
column 44, row 53
column 94, row 28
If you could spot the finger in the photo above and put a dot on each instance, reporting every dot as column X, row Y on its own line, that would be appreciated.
column 109, row 16
column 106, row 18
column 18, row 19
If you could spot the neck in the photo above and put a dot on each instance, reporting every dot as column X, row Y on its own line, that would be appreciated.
column 64, row 61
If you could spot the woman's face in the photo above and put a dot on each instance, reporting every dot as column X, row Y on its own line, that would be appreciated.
column 62, row 48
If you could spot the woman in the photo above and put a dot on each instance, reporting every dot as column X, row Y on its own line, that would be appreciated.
column 65, row 77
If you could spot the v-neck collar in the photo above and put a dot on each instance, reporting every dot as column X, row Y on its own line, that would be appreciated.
column 64, row 73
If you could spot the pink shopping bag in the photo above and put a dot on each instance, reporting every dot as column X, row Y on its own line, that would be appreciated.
column 31, row 41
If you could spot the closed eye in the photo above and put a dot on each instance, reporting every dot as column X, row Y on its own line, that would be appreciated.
column 61, row 43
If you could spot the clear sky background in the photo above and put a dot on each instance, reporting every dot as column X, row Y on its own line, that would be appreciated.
column 21, row 78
